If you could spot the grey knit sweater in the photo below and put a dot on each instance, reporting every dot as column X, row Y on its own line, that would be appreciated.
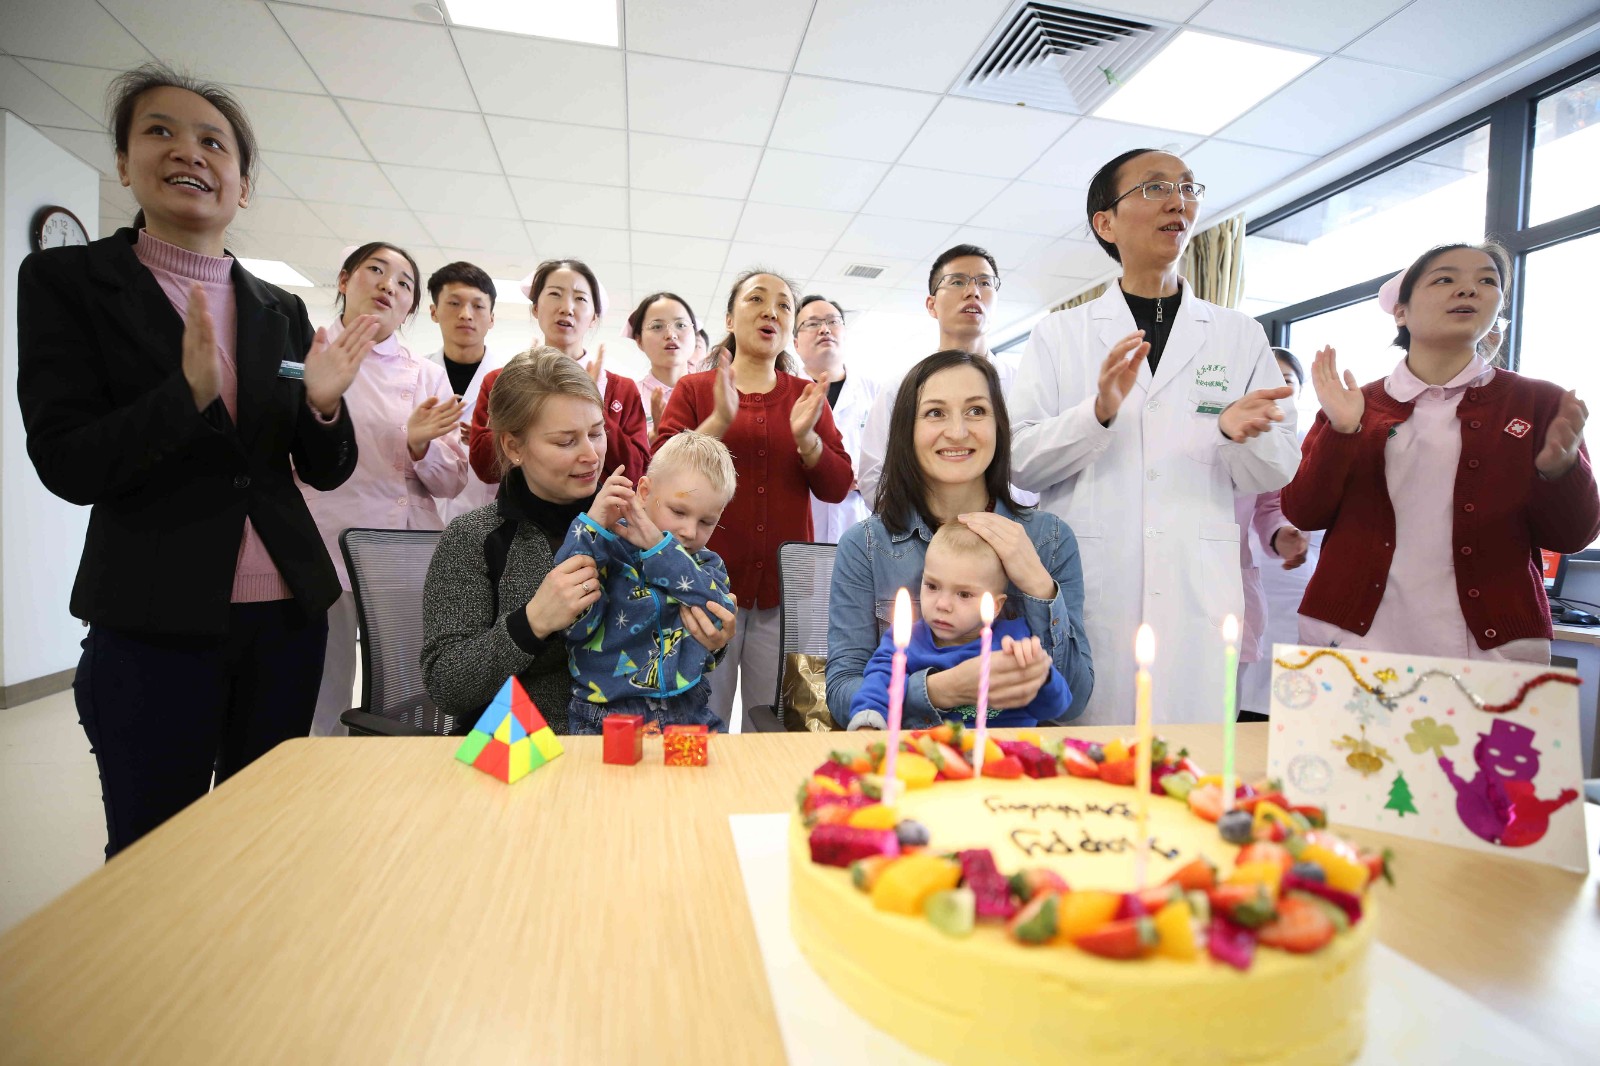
column 468, row 651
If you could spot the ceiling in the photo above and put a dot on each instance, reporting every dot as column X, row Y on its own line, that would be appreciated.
column 808, row 135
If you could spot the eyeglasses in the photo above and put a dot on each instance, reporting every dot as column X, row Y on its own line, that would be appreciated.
column 985, row 282
column 676, row 326
column 811, row 325
column 1190, row 191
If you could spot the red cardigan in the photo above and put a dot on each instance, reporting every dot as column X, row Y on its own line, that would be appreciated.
column 773, row 501
column 1504, row 511
column 627, row 444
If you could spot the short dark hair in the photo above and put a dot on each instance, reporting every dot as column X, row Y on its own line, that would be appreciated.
column 367, row 251
column 1493, row 249
column 1103, row 192
column 903, row 488
column 960, row 251
column 550, row 266
column 636, row 320
column 123, row 95
column 807, row 301
column 460, row 273
column 1284, row 355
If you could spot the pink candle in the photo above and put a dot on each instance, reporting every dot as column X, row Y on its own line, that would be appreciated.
column 1144, row 650
column 897, row 689
column 986, row 612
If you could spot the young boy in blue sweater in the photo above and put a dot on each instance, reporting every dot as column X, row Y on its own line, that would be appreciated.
column 628, row 652
column 958, row 569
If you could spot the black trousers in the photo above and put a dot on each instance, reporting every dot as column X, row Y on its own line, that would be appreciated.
column 166, row 714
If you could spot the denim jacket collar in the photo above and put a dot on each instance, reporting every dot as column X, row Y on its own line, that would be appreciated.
column 919, row 528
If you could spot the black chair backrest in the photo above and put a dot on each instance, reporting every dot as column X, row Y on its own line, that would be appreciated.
column 387, row 570
column 805, row 572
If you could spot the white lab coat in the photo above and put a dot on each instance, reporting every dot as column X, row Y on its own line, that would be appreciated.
column 856, row 398
column 1151, row 497
column 477, row 493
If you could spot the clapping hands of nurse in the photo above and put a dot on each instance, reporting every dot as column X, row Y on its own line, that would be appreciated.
column 724, row 403
column 1341, row 399
column 1292, row 545
column 331, row 367
column 1117, row 375
column 1017, row 553
column 1563, row 439
column 597, row 366
column 433, row 418
column 1253, row 413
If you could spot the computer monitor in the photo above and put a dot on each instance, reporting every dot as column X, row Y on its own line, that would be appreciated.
column 1555, row 572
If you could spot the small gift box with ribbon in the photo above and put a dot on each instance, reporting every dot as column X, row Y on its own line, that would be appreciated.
column 685, row 745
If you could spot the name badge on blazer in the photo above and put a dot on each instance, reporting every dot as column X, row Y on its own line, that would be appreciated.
column 290, row 369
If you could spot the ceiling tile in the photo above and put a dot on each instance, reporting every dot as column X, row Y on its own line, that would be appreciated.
column 277, row 214
column 904, row 238
column 985, row 138
column 1074, row 159
column 1170, row 10
column 68, row 31
column 508, row 267
column 560, row 153
column 649, row 279
column 555, row 81
column 763, row 35
column 674, row 164
column 237, row 42
column 794, row 227
column 297, row 122
column 1308, row 24
column 30, row 96
column 1009, row 249
column 558, row 241
column 93, row 148
column 1070, row 258
column 856, row 121
column 1232, row 172
column 1332, row 104
column 802, row 180
column 897, row 272
column 694, row 216
column 357, row 225
column 1052, row 210
column 914, row 44
column 423, row 136
column 334, row 181
column 690, row 253
column 480, row 234
column 558, row 201
column 1427, row 36
column 112, row 192
column 318, row 258
column 84, row 86
column 932, row 195
column 686, row 99
column 790, row 262
column 453, row 191
column 356, row 56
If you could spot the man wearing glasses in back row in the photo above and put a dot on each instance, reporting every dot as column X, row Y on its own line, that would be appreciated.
column 1139, row 416
column 962, row 286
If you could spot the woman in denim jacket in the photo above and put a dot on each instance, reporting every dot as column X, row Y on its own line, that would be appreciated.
column 949, row 459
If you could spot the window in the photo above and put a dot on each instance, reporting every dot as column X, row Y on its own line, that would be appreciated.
column 1360, row 334
column 1566, row 152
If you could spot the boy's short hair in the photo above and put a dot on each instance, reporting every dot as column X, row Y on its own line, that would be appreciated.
column 959, row 539
column 459, row 273
column 701, row 453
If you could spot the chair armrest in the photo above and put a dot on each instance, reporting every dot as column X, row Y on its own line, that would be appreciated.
column 366, row 724
column 763, row 719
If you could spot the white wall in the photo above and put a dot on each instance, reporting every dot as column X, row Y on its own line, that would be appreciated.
column 41, row 536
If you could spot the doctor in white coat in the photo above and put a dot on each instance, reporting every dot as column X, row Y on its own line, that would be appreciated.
column 463, row 306
column 1142, row 450
column 819, row 340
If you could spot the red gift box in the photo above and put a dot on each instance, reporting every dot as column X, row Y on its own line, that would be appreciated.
column 685, row 745
column 624, row 738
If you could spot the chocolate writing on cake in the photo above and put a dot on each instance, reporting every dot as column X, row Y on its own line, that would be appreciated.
column 1033, row 842
column 996, row 805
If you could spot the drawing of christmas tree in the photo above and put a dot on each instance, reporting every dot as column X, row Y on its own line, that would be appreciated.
column 1400, row 797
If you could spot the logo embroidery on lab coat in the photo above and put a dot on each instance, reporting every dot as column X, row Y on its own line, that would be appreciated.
column 1212, row 376
column 1518, row 428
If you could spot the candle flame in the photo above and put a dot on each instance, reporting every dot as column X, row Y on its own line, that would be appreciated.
column 902, row 619
column 986, row 608
column 1144, row 645
column 1230, row 629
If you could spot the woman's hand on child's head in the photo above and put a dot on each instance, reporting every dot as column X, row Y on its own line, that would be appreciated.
column 1340, row 398
column 703, row 629
column 1017, row 554
column 638, row 530
column 432, row 419
column 1563, row 438
column 612, row 501
column 565, row 593
column 330, row 368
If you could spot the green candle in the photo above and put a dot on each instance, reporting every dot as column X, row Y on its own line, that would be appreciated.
column 1230, row 704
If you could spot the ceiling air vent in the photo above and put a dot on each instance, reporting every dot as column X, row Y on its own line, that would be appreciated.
column 859, row 270
column 1060, row 58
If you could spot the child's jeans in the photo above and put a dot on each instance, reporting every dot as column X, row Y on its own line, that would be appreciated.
column 686, row 708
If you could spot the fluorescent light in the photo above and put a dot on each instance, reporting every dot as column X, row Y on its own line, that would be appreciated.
column 585, row 21
column 1200, row 83
column 507, row 291
column 277, row 272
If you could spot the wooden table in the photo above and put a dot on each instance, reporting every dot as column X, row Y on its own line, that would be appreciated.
column 373, row 900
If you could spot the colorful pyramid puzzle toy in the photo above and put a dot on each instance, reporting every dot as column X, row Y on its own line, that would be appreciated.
column 512, row 739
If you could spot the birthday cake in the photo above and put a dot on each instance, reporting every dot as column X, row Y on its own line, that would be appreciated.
column 998, row 919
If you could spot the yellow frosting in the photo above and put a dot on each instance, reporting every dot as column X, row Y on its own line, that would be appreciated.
column 987, row 999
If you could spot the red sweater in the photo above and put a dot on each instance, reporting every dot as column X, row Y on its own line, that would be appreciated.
column 773, row 501
column 626, row 443
column 1504, row 511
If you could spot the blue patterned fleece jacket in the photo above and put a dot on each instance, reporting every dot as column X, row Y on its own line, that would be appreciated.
column 630, row 642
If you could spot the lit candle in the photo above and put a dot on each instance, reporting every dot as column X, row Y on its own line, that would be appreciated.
column 1230, row 704
column 1144, row 650
column 986, row 612
column 897, row 690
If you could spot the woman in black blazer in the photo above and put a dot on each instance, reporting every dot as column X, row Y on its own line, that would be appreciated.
column 170, row 390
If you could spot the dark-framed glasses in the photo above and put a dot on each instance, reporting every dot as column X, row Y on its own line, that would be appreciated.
column 1189, row 191
column 984, row 282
